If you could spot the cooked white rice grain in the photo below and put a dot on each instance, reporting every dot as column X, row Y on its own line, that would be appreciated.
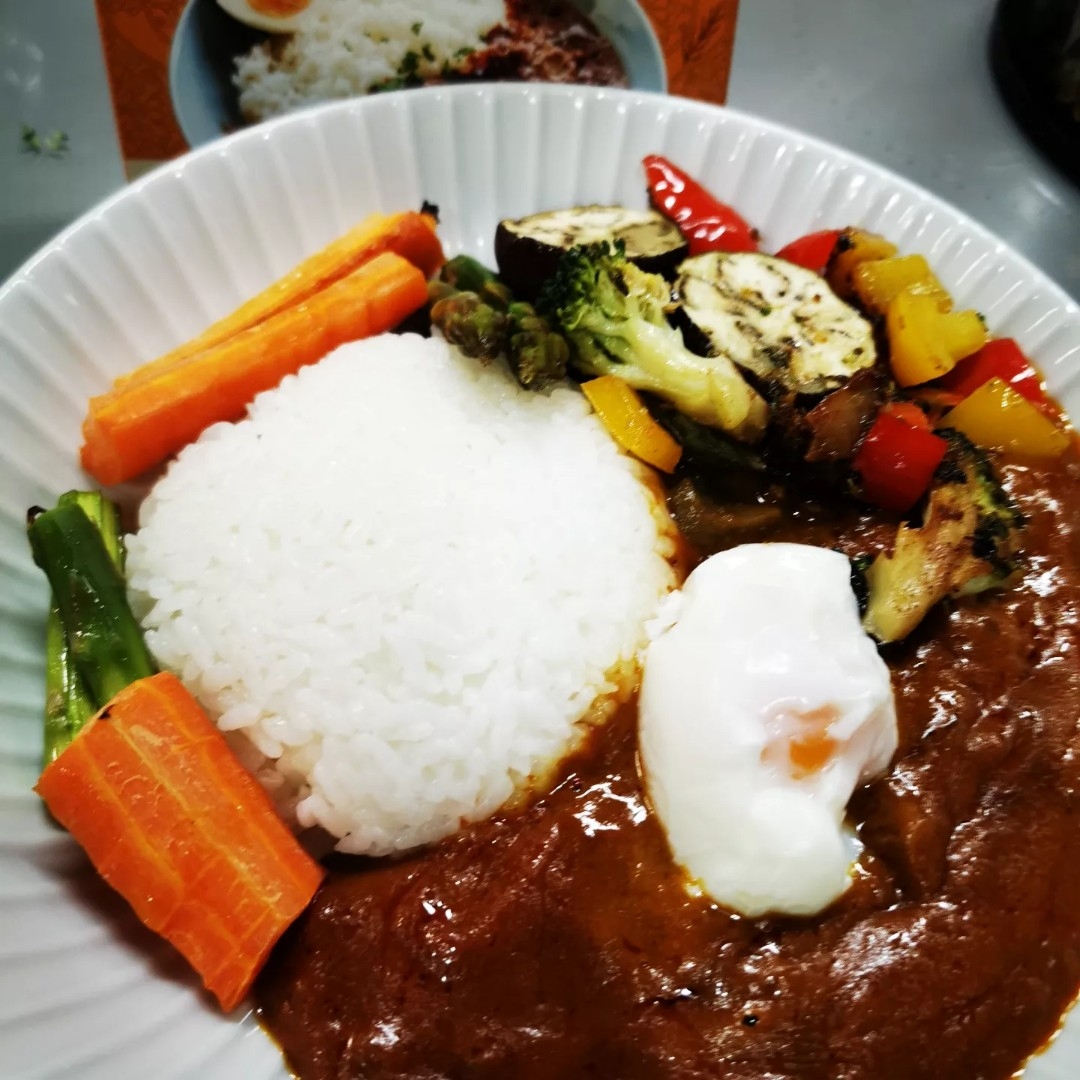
column 346, row 47
column 402, row 581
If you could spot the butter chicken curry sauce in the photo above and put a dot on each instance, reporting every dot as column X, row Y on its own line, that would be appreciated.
column 559, row 940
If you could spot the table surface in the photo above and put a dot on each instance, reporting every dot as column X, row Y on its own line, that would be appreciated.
column 907, row 85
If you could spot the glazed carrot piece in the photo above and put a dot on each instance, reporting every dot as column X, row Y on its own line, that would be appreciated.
column 410, row 235
column 174, row 823
column 138, row 425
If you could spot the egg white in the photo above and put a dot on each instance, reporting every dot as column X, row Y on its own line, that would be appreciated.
column 762, row 667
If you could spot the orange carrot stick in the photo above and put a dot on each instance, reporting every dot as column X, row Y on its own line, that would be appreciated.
column 136, row 426
column 174, row 823
column 410, row 235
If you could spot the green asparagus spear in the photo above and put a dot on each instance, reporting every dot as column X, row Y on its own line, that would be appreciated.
column 537, row 353
column 466, row 274
column 708, row 446
column 67, row 701
column 439, row 290
column 479, row 314
column 104, row 639
column 68, row 704
column 104, row 515
column 474, row 326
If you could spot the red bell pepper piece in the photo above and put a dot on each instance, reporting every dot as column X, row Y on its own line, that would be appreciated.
column 812, row 251
column 707, row 223
column 909, row 412
column 1000, row 359
column 937, row 399
column 897, row 461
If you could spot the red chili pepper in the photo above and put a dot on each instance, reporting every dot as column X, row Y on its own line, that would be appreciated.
column 897, row 461
column 707, row 223
column 812, row 251
column 1001, row 359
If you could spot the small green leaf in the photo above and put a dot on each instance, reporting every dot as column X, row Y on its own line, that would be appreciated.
column 55, row 144
column 29, row 140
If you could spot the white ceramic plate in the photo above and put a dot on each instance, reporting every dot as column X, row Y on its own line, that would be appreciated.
column 83, row 991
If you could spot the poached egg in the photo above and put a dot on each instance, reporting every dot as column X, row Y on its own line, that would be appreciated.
column 764, row 705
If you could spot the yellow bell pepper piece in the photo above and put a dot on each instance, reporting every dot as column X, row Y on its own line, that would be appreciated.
column 963, row 333
column 628, row 422
column 878, row 281
column 854, row 248
column 925, row 342
column 996, row 416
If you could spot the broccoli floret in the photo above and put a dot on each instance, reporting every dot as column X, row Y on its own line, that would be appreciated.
column 615, row 317
column 967, row 543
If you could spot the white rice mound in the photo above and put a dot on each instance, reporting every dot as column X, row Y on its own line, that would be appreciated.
column 402, row 582
column 346, row 47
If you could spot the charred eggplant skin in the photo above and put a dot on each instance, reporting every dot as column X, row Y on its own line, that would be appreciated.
column 528, row 249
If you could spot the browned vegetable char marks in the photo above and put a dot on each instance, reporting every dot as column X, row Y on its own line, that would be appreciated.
column 558, row 942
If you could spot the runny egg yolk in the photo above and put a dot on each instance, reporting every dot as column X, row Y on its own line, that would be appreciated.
column 275, row 16
column 279, row 8
column 800, row 741
column 763, row 706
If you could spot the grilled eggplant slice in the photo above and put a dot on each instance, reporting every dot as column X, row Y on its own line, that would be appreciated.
column 775, row 319
column 527, row 250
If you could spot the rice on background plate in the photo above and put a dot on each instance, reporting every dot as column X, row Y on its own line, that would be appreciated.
column 403, row 583
column 348, row 47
